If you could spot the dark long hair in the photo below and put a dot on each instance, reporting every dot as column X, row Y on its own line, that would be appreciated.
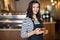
column 30, row 12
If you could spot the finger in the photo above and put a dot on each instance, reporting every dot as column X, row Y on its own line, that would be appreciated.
column 41, row 32
column 46, row 32
column 38, row 28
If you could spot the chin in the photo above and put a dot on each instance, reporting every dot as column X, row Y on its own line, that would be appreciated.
column 35, row 12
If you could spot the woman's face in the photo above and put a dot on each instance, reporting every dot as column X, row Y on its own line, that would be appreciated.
column 35, row 8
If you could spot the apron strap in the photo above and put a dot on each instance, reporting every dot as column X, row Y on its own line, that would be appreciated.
column 33, row 22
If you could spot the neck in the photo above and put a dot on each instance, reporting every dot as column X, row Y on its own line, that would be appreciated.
column 34, row 16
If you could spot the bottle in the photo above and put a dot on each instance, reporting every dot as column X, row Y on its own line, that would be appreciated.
column 51, row 19
column 43, row 18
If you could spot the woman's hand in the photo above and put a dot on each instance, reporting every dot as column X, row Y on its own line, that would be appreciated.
column 38, row 31
column 46, row 32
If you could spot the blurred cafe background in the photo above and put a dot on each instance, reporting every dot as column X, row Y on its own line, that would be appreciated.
column 12, row 13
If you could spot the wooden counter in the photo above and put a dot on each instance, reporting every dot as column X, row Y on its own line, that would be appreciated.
column 14, row 34
column 51, row 30
column 10, row 34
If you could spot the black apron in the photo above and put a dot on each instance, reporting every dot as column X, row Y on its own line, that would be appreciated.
column 36, row 37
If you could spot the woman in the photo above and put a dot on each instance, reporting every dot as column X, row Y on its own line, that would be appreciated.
column 32, row 24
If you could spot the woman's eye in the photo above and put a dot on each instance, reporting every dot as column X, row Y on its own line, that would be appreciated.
column 33, row 7
column 37, row 7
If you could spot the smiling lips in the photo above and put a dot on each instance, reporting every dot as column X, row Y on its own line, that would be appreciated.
column 35, row 10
